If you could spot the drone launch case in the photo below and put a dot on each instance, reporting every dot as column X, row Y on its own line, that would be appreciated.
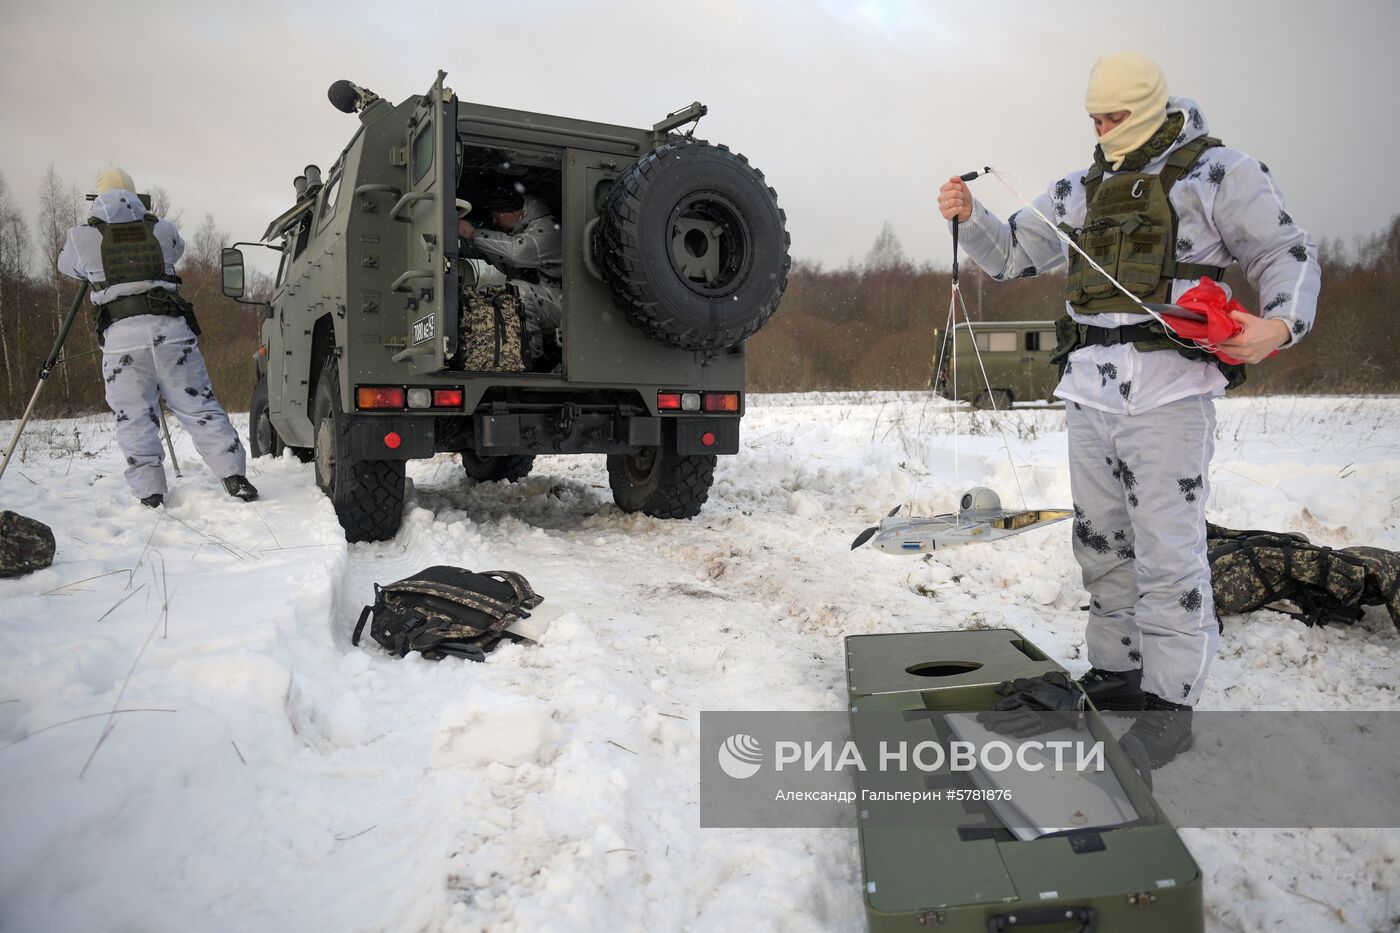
column 978, row 875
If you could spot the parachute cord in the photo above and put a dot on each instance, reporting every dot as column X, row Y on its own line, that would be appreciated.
column 1016, row 192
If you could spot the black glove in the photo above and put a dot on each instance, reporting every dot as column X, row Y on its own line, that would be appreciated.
column 1035, row 704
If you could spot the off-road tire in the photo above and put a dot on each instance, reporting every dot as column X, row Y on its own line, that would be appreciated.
column 367, row 494
column 263, row 439
column 660, row 482
column 641, row 252
column 262, row 436
column 512, row 469
column 1002, row 398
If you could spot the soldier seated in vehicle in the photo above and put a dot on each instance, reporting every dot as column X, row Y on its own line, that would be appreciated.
column 527, row 247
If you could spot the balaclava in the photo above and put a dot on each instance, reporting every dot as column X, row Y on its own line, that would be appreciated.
column 1133, row 82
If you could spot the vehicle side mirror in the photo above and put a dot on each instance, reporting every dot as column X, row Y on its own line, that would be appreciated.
column 232, row 262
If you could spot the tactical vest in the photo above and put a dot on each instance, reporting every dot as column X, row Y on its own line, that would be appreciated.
column 1130, row 230
column 131, row 253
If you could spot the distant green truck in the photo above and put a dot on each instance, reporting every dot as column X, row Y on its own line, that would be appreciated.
column 1015, row 354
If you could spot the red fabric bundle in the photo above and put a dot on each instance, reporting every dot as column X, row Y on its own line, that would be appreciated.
column 1211, row 300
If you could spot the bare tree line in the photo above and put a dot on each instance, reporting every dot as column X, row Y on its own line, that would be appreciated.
column 871, row 324
column 34, row 298
column 874, row 324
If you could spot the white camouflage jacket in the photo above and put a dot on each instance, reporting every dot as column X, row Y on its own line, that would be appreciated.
column 1230, row 210
column 81, row 258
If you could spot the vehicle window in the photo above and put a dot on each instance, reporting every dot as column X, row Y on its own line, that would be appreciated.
column 328, row 196
column 996, row 341
column 302, row 234
column 1037, row 340
column 286, row 261
column 422, row 151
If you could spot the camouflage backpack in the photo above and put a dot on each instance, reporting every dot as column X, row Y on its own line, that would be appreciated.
column 493, row 335
column 26, row 545
column 1257, row 569
column 448, row 611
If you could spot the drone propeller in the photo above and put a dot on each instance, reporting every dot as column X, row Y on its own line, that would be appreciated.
column 868, row 533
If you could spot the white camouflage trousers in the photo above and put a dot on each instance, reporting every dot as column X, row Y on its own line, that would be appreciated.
column 173, row 369
column 1140, row 484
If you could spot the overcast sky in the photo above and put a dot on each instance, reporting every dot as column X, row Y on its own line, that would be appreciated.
column 856, row 111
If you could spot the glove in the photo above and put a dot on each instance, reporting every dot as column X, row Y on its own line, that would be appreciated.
column 1033, row 705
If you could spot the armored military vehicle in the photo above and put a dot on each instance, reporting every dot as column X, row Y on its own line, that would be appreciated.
column 1015, row 354
column 674, row 253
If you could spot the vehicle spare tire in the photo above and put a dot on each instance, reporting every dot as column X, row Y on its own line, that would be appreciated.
column 693, row 245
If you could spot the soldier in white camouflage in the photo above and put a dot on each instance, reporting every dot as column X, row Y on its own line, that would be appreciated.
column 148, row 337
column 1163, row 206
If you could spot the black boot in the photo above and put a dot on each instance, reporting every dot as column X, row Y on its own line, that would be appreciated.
column 1163, row 730
column 1113, row 690
column 154, row 501
column 238, row 486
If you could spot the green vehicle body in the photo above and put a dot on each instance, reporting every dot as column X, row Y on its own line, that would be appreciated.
column 1137, row 878
column 369, row 285
column 1016, row 355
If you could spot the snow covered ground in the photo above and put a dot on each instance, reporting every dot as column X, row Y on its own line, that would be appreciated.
column 264, row 774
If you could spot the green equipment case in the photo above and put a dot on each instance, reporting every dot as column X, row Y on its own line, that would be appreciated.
column 978, row 876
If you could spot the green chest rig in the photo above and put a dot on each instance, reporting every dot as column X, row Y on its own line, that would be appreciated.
column 1130, row 231
column 131, row 253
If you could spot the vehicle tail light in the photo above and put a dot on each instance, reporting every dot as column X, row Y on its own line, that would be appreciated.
column 668, row 401
column 447, row 398
column 392, row 440
column 372, row 397
column 420, row 398
column 722, row 401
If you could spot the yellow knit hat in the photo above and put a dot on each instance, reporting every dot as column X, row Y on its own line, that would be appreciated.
column 111, row 178
column 1133, row 82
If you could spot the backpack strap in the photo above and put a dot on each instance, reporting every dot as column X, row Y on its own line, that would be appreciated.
column 527, row 596
column 360, row 625
column 364, row 616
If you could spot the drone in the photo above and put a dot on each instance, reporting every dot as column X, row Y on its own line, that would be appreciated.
column 980, row 518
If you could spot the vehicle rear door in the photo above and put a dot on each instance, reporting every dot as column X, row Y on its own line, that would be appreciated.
column 427, row 209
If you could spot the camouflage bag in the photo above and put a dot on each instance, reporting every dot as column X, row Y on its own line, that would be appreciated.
column 444, row 611
column 26, row 545
column 490, row 331
column 1266, row 569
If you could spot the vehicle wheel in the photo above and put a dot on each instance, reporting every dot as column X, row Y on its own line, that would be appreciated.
column 263, row 439
column 367, row 494
column 998, row 398
column 262, row 436
column 693, row 245
column 512, row 469
column 660, row 482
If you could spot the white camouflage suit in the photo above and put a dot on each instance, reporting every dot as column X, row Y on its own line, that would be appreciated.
column 150, row 356
column 534, row 245
column 1141, row 425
